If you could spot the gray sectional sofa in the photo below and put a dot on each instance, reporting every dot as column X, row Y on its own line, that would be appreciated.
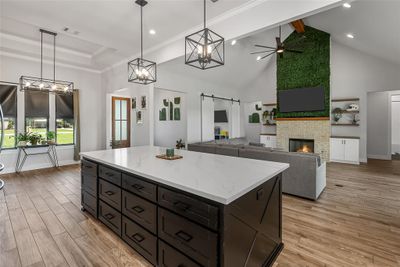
column 306, row 176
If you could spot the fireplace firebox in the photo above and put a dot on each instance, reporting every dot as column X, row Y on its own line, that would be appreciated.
column 301, row 145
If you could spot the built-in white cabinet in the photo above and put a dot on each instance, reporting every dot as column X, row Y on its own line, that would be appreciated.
column 345, row 150
column 268, row 140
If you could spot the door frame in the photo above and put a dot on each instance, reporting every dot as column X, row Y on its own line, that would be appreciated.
column 128, row 111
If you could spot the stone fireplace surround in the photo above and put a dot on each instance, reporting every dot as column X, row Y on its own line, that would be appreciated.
column 317, row 130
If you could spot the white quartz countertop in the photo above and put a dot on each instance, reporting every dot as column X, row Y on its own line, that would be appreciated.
column 219, row 178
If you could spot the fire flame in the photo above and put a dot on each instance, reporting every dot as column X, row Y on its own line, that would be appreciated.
column 305, row 149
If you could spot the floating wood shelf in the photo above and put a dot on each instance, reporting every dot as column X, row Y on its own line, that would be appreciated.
column 345, row 124
column 269, row 104
column 350, row 112
column 304, row 119
column 345, row 99
column 269, row 124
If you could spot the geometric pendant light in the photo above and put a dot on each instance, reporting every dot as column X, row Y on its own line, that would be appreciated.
column 140, row 70
column 204, row 49
column 43, row 84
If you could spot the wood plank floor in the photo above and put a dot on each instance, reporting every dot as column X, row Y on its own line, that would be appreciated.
column 356, row 222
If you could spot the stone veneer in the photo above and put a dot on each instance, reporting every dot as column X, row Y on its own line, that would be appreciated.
column 319, row 130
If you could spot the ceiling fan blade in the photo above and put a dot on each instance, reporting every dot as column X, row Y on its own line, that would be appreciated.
column 293, row 51
column 278, row 41
column 267, row 55
column 264, row 46
column 261, row 52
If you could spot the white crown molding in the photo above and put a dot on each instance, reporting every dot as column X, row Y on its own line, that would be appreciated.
column 45, row 45
column 13, row 55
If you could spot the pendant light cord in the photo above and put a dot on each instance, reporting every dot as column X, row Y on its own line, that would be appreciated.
column 54, row 60
column 41, row 55
column 141, row 32
column 205, row 14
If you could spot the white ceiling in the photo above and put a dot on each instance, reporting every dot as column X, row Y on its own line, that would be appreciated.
column 375, row 25
column 108, row 30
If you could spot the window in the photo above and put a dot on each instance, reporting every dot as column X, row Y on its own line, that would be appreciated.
column 64, row 119
column 37, row 112
column 8, row 101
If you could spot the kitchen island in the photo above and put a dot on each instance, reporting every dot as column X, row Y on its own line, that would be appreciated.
column 201, row 210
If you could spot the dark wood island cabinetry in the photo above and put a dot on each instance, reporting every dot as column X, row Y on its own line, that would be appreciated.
column 171, row 227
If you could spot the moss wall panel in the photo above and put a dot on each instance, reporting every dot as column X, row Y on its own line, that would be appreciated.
column 309, row 69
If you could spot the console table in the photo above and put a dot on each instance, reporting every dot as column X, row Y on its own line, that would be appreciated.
column 26, row 151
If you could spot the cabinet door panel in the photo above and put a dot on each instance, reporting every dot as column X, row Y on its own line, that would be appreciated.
column 351, row 150
column 337, row 149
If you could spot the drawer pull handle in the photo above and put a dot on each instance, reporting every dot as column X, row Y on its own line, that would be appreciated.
column 138, row 186
column 109, row 193
column 138, row 209
column 110, row 174
column 88, row 167
column 184, row 236
column 109, row 216
column 138, row 237
column 182, row 206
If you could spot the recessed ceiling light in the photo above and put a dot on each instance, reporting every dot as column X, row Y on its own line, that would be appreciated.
column 346, row 5
column 350, row 36
column 258, row 58
column 233, row 42
column 152, row 32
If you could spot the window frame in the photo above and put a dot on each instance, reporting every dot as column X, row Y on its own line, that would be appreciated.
column 15, row 118
column 48, row 123
column 55, row 121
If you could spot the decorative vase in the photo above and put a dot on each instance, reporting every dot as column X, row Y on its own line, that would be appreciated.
column 170, row 152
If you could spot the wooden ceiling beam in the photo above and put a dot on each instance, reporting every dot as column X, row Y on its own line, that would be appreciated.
column 298, row 25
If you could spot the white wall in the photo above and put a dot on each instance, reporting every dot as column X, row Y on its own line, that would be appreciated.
column 166, row 133
column 395, row 123
column 91, row 108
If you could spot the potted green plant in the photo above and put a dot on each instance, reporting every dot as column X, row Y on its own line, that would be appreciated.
column 265, row 116
column 337, row 114
column 51, row 137
column 23, row 139
column 35, row 138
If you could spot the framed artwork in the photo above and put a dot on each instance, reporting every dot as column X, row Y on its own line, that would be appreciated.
column 133, row 102
column 143, row 102
column 139, row 119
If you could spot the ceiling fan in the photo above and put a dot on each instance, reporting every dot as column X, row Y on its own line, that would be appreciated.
column 280, row 47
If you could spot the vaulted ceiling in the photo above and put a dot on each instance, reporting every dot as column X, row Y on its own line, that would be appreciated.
column 100, row 33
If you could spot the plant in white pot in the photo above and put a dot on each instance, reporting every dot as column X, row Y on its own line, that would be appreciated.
column 23, row 139
column 51, row 138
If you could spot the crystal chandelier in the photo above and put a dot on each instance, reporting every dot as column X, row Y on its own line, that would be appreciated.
column 140, row 70
column 204, row 49
column 43, row 84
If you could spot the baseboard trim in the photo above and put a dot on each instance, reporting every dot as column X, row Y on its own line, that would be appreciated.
column 382, row 157
column 39, row 166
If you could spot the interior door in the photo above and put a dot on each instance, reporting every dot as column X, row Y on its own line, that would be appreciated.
column 121, row 122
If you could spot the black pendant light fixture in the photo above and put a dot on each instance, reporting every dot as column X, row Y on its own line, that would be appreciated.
column 140, row 70
column 204, row 49
column 42, row 84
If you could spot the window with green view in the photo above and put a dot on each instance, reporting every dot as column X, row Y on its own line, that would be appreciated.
column 8, row 101
column 64, row 119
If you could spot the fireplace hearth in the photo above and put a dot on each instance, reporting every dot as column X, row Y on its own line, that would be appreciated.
column 301, row 145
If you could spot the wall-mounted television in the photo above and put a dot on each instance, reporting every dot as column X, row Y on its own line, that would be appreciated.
column 220, row 116
column 302, row 99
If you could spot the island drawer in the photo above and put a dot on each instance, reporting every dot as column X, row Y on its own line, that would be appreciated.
column 192, row 208
column 89, row 183
column 89, row 203
column 170, row 257
column 88, row 167
column 140, row 239
column 110, row 194
column 190, row 238
column 110, row 175
column 110, row 217
column 140, row 210
column 142, row 188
